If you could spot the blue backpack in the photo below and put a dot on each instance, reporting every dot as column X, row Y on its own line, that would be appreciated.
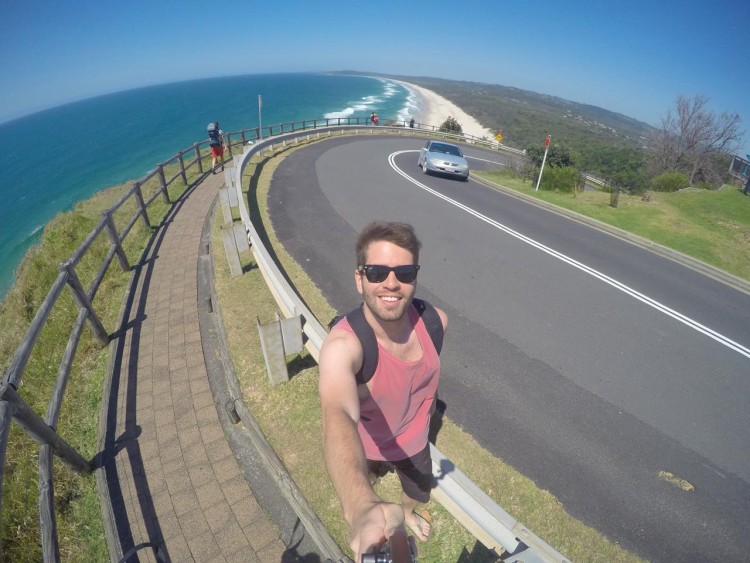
column 214, row 137
column 366, row 335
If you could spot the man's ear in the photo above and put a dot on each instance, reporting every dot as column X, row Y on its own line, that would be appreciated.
column 358, row 280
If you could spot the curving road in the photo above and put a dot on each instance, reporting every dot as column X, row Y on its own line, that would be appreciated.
column 589, row 364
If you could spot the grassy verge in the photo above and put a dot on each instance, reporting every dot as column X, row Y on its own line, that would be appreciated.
column 80, row 527
column 712, row 226
column 289, row 415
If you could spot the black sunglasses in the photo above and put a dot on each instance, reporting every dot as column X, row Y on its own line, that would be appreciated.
column 376, row 273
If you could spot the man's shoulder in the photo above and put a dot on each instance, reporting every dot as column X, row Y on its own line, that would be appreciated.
column 340, row 355
column 342, row 340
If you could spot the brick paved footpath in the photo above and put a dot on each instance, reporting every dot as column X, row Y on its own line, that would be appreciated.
column 176, row 490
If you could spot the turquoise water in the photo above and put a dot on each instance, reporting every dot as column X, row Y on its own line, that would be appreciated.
column 52, row 159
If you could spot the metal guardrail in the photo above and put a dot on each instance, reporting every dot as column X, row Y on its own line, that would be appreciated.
column 476, row 511
column 594, row 180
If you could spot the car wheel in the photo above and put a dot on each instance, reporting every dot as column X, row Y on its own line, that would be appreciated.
column 466, row 178
column 424, row 168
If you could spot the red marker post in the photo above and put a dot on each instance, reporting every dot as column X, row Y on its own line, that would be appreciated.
column 546, row 148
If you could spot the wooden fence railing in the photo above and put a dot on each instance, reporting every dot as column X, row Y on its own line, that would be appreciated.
column 12, row 404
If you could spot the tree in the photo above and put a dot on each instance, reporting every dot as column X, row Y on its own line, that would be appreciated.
column 450, row 125
column 691, row 136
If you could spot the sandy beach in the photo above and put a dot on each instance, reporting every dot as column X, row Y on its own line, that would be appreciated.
column 436, row 109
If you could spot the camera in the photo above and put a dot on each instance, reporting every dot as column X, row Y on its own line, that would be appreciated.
column 399, row 548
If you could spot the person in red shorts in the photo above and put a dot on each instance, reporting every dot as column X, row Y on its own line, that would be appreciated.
column 216, row 141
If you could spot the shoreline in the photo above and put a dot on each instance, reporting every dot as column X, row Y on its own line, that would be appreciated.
column 435, row 109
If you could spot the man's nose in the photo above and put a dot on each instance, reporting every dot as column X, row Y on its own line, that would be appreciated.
column 392, row 280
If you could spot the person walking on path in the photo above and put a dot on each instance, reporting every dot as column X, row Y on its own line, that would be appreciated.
column 216, row 141
column 385, row 420
column 374, row 118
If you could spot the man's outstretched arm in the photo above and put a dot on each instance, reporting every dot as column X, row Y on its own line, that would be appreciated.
column 371, row 520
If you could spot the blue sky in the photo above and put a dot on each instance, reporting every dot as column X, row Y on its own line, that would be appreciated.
column 633, row 57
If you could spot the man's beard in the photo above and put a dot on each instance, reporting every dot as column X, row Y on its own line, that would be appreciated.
column 388, row 314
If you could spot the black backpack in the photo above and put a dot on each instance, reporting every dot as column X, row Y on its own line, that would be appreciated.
column 369, row 343
column 214, row 138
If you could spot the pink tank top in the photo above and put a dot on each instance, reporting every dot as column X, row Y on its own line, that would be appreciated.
column 395, row 416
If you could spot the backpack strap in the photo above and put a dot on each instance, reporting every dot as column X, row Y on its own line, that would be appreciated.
column 431, row 321
column 369, row 343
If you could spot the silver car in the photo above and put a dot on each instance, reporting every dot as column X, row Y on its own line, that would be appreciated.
column 444, row 158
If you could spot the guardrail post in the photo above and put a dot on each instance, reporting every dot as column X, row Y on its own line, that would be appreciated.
column 282, row 337
column 182, row 168
column 231, row 250
column 114, row 238
column 163, row 181
column 197, row 148
column 83, row 301
column 141, row 204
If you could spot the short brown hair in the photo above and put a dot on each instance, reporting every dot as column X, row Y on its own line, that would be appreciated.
column 400, row 234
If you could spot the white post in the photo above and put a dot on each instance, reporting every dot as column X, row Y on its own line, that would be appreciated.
column 260, row 121
column 546, row 148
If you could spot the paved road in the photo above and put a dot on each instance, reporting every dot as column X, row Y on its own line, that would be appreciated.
column 589, row 364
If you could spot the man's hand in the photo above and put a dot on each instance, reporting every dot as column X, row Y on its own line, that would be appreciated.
column 373, row 525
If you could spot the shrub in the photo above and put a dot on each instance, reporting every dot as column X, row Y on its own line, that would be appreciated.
column 559, row 178
column 557, row 155
column 669, row 182
column 450, row 125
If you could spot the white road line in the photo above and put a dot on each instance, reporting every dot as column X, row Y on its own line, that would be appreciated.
column 482, row 160
column 720, row 338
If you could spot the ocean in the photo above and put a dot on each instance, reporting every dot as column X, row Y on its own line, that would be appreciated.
column 53, row 159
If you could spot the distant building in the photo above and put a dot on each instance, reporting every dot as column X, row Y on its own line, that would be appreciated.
column 740, row 168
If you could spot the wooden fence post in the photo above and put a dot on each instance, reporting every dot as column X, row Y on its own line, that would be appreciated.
column 197, row 147
column 182, row 168
column 47, row 518
column 142, row 204
column 114, row 238
column 229, row 144
column 41, row 432
column 163, row 179
column 83, row 301
column 6, row 416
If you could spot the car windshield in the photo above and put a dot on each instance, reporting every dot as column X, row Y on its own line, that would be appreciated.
column 446, row 149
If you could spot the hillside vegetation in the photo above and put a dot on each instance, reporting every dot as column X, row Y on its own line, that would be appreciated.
column 526, row 117
column 603, row 143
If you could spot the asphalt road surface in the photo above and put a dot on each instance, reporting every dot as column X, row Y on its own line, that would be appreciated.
column 591, row 365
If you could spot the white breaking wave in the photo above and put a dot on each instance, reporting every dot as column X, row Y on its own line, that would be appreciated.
column 338, row 114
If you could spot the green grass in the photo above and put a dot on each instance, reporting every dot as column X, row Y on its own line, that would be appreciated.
column 711, row 226
column 80, row 527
